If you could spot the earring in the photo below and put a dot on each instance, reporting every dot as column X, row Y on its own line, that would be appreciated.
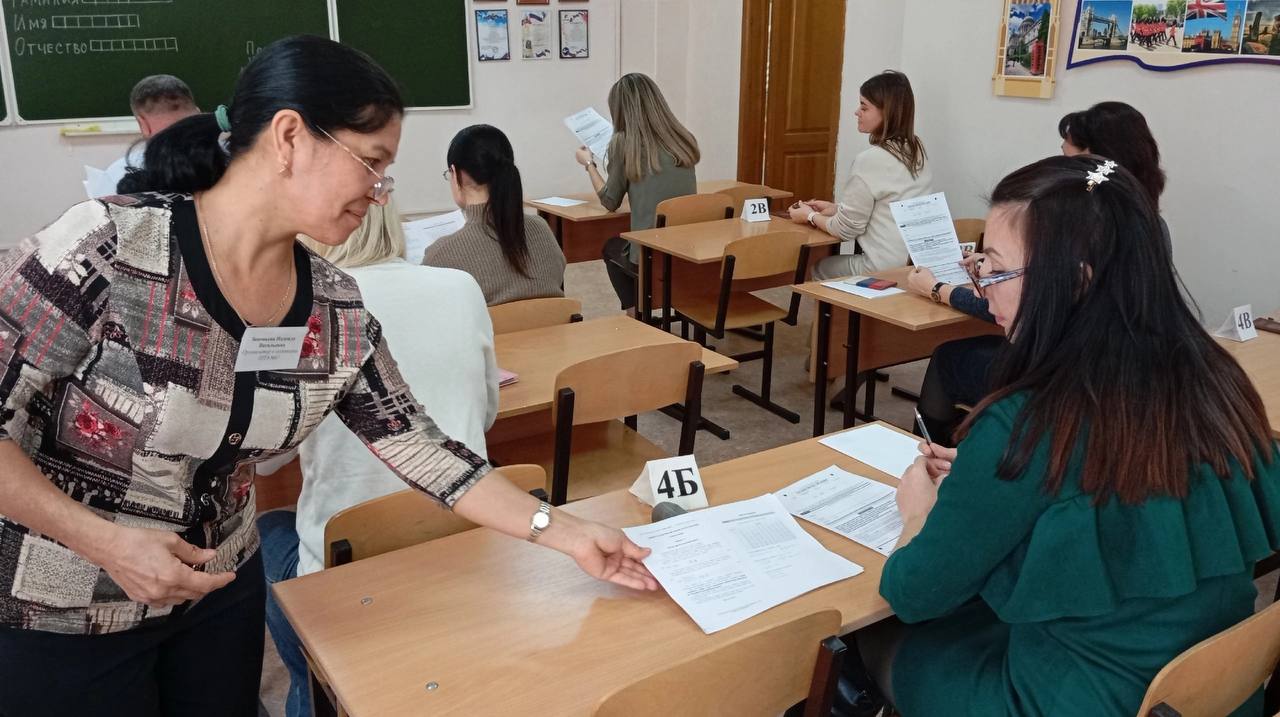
column 284, row 168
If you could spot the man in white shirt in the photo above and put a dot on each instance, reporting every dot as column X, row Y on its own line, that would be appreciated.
column 158, row 101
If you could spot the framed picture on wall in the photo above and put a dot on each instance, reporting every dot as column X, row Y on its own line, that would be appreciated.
column 533, row 2
column 1027, row 49
column 574, row 43
column 493, row 41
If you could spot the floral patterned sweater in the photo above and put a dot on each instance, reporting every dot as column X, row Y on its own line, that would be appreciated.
column 118, row 353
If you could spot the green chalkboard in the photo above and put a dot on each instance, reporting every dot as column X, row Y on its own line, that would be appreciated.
column 422, row 43
column 79, row 60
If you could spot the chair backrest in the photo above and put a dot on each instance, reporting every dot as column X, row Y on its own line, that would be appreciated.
column 970, row 230
column 762, row 674
column 692, row 209
column 762, row 255
column 1217, row 675
column 740, row 193
column 628, row 382
column 534, row 314
column 404, row 518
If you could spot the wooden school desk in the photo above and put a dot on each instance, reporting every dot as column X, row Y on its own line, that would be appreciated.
column 582, row 229
column 1260, row 359
column 702, row 244
column 881, row 332
column 503, row 627
column 538, row 355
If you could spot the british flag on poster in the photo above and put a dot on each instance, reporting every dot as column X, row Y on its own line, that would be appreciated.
column 1204, row 9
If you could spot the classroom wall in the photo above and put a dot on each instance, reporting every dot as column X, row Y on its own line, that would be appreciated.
column 1215, row 125
column 527, row 99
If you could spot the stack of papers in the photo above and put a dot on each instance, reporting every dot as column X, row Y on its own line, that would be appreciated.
column 727, row 563
column 506, row 378
column 422, row 233
column 861, row 509
column 879, row 447
column 850, row 286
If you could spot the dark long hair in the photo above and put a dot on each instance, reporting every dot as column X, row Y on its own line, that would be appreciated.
column 485, row 154
column 331, row 85
column 1117, row 131
column 1107, row 350
column 890, row 91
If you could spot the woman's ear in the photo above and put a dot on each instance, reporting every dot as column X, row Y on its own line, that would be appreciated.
column 287, row 128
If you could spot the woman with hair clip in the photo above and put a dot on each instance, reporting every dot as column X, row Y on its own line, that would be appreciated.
column 893, row 168
column 651, row 159
column 1107, row 502
column 512, row 255
column 157, row 346
column 959, row 371
column 438, row 318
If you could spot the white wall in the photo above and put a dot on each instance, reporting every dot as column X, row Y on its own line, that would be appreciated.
column 1216, row 128
column 872, row 44
column 526, row 99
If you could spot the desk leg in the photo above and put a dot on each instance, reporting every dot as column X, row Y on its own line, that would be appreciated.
column 645, row 300
column 851, row 368
column 823, row 347
column 666, row 292
column 320, row 704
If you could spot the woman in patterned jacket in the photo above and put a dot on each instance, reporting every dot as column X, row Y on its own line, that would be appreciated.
column 155, row 346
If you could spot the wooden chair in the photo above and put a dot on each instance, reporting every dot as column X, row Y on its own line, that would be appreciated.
column 750, row 264
column 970, row 230
column 740, row 193
column 405, row 518
column 762, row 674
column 1219, row 674
column 692, row 209
column 592, row 453
column 534, row 314
column 389, row 523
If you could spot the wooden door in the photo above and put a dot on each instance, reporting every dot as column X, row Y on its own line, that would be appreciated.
column 789, row 107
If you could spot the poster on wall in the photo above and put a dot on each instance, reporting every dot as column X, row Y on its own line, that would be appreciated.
column 492, row 40
column 535, row 35
column 573, row 35
column 1027, row 50
column 1176, row 34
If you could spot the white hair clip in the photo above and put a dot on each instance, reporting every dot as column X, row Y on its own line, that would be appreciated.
column 1099, row 175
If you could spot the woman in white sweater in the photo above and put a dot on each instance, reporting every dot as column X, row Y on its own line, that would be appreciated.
column 439, row 324
column 894, row 167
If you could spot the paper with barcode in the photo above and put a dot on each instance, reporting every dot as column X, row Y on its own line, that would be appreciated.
column 727, row 563
column 859, row 508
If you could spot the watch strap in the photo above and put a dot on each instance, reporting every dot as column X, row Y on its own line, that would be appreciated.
column 935, row 292
column 535, row 531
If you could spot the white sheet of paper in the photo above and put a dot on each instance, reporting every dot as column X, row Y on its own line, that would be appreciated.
column 422, row 233
column 558, row 201
column 592, row 130
column 859, row 508
column 925, row 223
column 98, row 183
column 850, row 286
column 725, row 564
column 270, row 348
column 878, row 447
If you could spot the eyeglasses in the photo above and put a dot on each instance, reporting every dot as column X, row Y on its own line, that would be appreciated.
column 445, row 174
column 382, row 188
column 980, row 283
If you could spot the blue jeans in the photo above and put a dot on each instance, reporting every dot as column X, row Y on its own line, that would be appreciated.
column 280, row 562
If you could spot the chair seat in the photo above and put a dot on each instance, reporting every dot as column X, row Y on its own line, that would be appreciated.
column 744, row 310
column 606, row 456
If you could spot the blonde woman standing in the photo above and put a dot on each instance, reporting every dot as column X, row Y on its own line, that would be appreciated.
column 893, row 168
column 651, row 159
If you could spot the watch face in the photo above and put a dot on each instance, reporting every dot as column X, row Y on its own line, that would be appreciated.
column 541, row 520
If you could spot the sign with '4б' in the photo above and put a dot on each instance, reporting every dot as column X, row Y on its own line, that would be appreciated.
column 672, row 480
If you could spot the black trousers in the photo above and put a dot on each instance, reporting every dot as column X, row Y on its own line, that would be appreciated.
column 959, row 372
column 623, row 274
column 205, row 661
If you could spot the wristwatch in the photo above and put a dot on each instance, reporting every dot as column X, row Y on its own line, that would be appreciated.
column 934, row 292
column 540, row 521
column 810, row 219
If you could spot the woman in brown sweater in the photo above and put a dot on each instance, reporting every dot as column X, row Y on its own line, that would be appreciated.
column 512, row 255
